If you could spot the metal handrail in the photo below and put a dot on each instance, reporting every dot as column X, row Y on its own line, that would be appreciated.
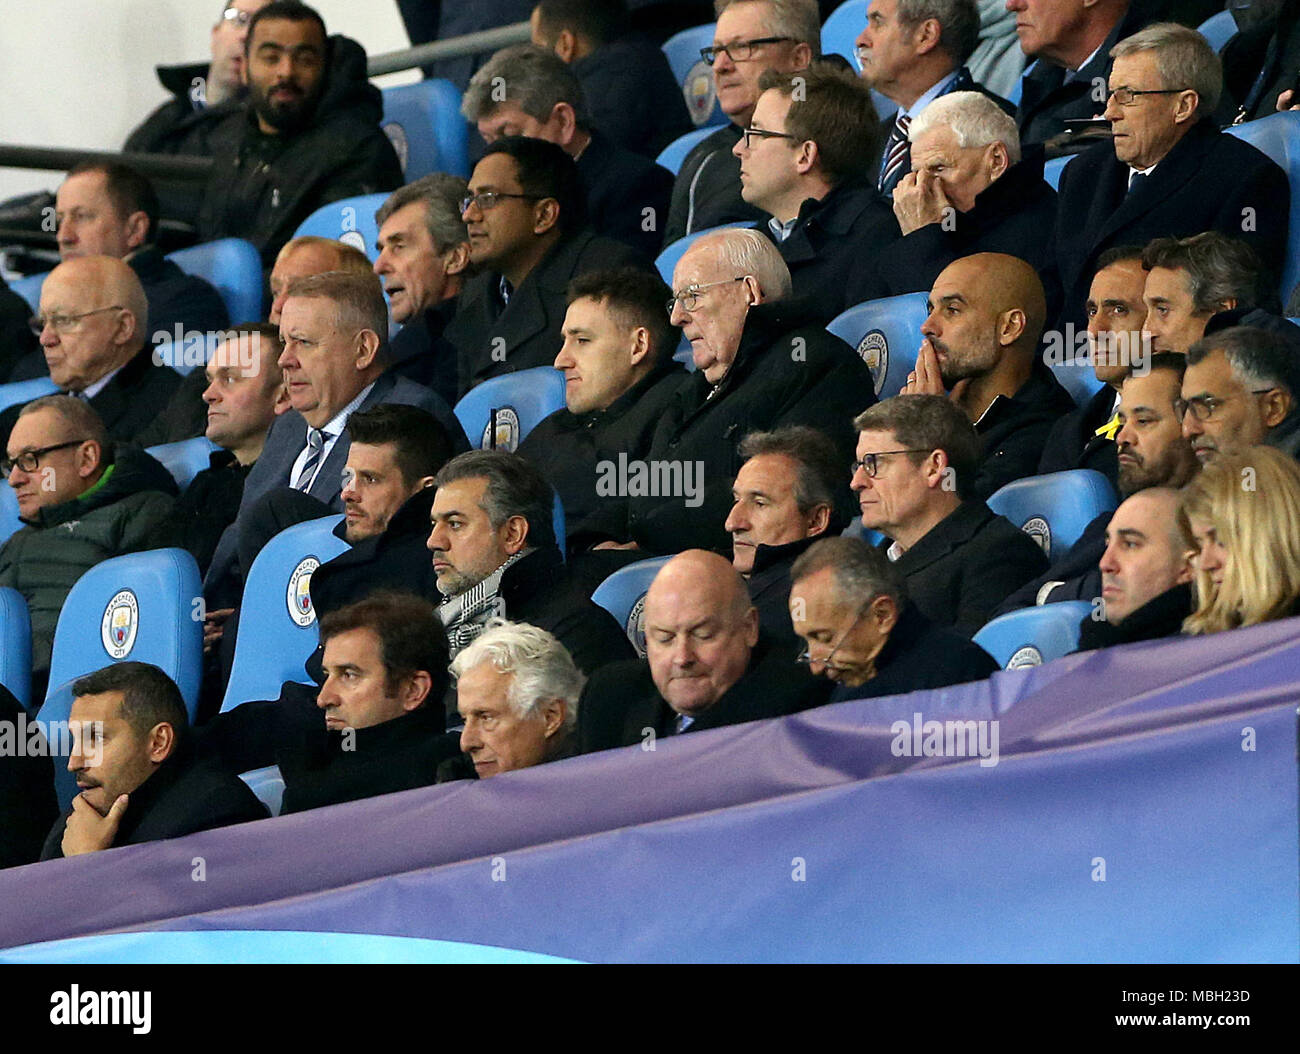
column 469, row 44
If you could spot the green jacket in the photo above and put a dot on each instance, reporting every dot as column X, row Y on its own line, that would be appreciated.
column 44, row 559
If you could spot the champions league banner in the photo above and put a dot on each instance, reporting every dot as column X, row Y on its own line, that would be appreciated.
column 1134, row 805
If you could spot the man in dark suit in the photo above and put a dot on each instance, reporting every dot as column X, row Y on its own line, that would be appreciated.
column 750, row 36
column 707, row 664
column 1170, row 172
column 627, row 194
column 136, row 778
column 803, row 162
column 528, row 239
column 913, row 53
column 93, row 312
column 916, row 459
column 849, row 605
column 634, row 98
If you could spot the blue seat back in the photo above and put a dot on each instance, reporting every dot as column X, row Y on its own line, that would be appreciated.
column 184, row 459
column 675, row 152
column 425, row 126
column 887, row 334
column 29, row 289
column 348, row 220
column 694, row 74
column 521, row 400
column 674, row 251
column 15, row 645
column 1054, row 509
column 1218, row 29
column 20, row 392
column 9, row 522
column 622, row 594
column 1052, row 170
column 1278, row 136
column 277, row 623
column 1033, row 636
column 234, row 266
column 1078, row 378
column 268, row 785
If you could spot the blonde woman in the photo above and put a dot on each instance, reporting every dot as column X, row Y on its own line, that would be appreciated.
column 1244, row 513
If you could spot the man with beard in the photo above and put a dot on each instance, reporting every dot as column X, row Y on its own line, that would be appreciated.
column 308, row 135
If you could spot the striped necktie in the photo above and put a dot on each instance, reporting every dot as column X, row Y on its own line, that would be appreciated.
column 896, row 153
column 316, row 440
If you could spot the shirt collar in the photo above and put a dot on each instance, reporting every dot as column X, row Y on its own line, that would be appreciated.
column 933, row 93
column 336, row 424
column 92, row 390
column 781, row 231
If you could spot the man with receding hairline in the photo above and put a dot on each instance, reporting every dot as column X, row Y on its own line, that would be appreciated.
column 707, row 663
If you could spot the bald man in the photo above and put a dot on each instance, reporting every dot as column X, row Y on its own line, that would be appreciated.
column 980, row 348
column 707, row 663
column 93, row 316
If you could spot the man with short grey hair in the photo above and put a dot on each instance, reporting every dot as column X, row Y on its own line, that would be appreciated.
column 1169, row 171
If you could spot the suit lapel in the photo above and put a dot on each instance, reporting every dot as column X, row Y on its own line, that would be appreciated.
column 943, row 538
column 1164, row 184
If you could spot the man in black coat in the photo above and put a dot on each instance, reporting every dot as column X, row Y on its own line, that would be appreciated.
column 1169, row 173
column 849, row 605
column 627, row 194
column 27, row 802
column 1261, row 62
column 706, row 192
column 633, row 96
column 526, row 219
column 759, row 366
column 707, row 664
column 308, row 135
column 803, row 163
column 917, row 456
column 137, row 780
column 619, row 378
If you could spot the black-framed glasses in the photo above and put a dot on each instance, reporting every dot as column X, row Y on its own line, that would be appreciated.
column 491, row 199
column 689, row 297
column 805, row 657
column 30, row 460
column 1128, row 96
column 1203, row 407
column 66, row 323
column 739, row 50
column 763, row 133
column 869, row 463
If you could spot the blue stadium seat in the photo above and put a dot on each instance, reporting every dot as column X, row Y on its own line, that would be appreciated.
column 277, row 624
column 674, row 251
column 268, row 785
column 350, row 220
column 29, row 289
column 1218, row 29
column 887, row 334
column 20, row 392
column 15, row 645
column 675, row 152
column 522, row 399
column 1019, row 87
column 1054, row 509
column 184, row 459
column 1278, row 136
column 694, row 74
column 1079, row 379
column 424, row 124
column 9, row 522
column 1033, row 636
column 1052, row 170
column 234, row 267
column 622, row 594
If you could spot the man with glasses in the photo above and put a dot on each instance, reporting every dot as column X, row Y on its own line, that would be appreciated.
column 1169, row 171
column 917, row 456
column 750, row 36
column 707, row 663
column 91, row 327
column 79, row 505
column 1239, row 391
column 849, row 605
column 528, row 238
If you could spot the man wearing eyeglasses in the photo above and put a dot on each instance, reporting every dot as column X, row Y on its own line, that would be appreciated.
column 1240, row 390
column 92, row 331
column 849, row 605
column 1169, row 171
column 79, row 504
column 750, row 36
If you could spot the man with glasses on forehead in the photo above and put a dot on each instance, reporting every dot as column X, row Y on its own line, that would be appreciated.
column 751, row 36
column 1169, row 171
column 850, row 606
column 79, row 505
column 917, row 457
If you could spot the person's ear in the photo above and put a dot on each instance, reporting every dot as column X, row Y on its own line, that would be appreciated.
column 554, row 711
column 128, row 327
column 1187, row 107
column 803, row 56
column 90, row 455
column 1274, row 406
column 753, row 290
column 546, row 214
column 457, row 258
column 416, row 690
column 368, row 344
column 565, row 122
column 137, row 229
column 640, row 351
column 936, row 468
column 161, row 742
column 806, row 156
column 750, row 624
column 514, row 534
column 819, row 519
column 566, row 45
column 1012, row 324
column 884, row 613
column 999, row 162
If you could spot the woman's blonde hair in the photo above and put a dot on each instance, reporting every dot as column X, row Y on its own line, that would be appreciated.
column 1252, row 500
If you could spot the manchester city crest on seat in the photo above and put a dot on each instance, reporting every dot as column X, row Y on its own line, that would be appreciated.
column 401, row 146
column 635, row 627
column 118, row 627
column 699, row 94
column 1025, row 657
column 874, row 350
column 298, row 595
column 507, row 430
column 1037, row 528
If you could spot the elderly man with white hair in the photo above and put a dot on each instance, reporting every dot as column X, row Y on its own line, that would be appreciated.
column 517, row 691
column 760, row 363
column 969, row 191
